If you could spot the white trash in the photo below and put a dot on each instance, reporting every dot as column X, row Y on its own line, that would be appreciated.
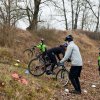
column 16, row 64
column 66, row 90
column 93, row 86
column 85, row 91
column 18, row 61
column 27, row 72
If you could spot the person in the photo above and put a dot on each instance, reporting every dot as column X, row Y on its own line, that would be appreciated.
column 53, row 53
column 99, row 63
column 74, row 55
column 42, row 47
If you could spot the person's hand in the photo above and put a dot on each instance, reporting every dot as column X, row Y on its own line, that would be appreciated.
column 60, row 64
column 69, row 60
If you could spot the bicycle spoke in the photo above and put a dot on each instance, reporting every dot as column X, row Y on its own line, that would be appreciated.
column 36, row 68
column 28, row 53
column 62, row 77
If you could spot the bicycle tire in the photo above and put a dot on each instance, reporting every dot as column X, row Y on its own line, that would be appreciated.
column 28, row 52
column 62, row 77
column 34, row 67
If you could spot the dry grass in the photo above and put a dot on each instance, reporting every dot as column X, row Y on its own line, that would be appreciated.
column 13, row 42
column 6, row 55
column 7, row 36
column 51, row 36
column 92, row 35
column 36, row 89
column 45, row 88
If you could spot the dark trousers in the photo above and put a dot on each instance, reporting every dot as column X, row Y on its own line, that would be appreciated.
column 44, row 56
column 52, row 59
column 74, row 75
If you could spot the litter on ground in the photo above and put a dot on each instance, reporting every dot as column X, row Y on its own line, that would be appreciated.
column 19, row 78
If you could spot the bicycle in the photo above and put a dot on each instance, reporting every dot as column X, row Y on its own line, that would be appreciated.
column 29, row 52
column 38, row 66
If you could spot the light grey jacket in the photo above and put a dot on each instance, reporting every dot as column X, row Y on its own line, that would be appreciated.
column 73, row 53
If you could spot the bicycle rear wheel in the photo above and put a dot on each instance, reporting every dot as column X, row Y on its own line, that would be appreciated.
column 36, row 67
column 62, row 77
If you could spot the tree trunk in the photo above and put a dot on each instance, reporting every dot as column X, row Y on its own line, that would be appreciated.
column 83, row 17
column 76, row 15
column 72, row 14
column 97, row 25
column 76, row 20
column 33, row 25
column 8, row 6
column 66, row 24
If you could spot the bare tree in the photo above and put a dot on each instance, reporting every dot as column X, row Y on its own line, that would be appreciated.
column 72, row 11
column 33, row 24
column 64, row 10
column 76, row 6
column 61, row 11
column 78, row 9
column 96, row 15
column 83, row 15
column 34, row 11
column 9, row 12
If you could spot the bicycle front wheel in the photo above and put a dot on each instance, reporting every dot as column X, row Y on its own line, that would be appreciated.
column 28, row 53
column 36, row 67
column 62, row 77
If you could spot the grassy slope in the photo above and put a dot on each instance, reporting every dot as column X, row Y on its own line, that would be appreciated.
column 46, row 88
column 37, row 88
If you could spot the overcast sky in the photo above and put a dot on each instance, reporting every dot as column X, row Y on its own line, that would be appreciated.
column 48, row 15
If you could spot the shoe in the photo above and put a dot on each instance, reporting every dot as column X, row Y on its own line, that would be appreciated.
column 48, row 72
column 53, row 73
column 75, row 92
